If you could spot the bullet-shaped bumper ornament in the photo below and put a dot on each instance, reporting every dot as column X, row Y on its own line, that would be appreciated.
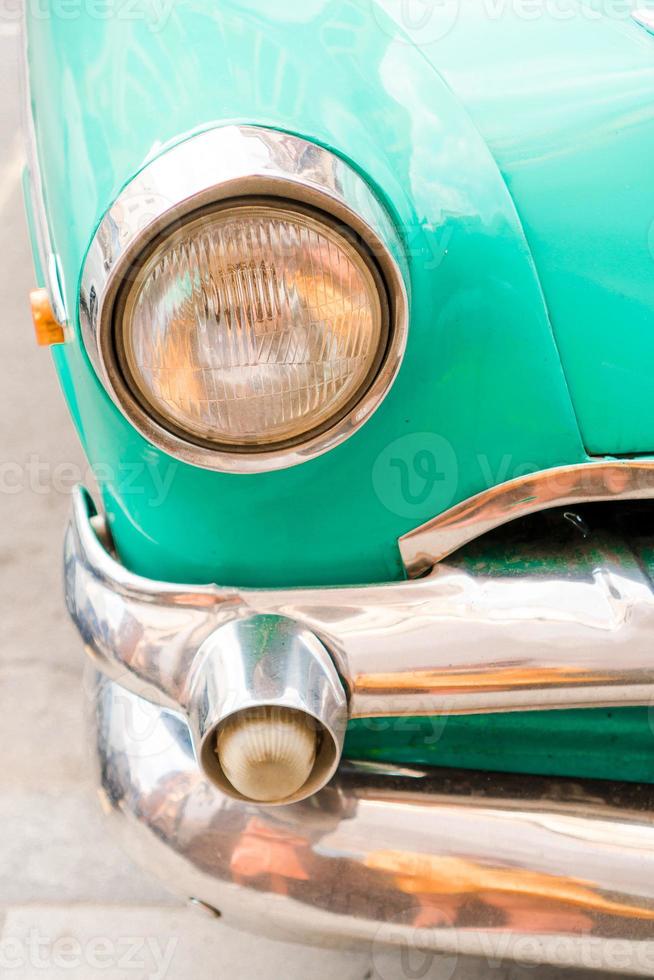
column 267, row 710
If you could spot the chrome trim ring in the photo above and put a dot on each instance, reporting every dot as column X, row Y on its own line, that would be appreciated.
column 207, row 169
column 261, row 662
column 48, row 257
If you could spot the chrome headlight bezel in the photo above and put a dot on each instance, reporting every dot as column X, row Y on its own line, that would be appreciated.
column 224, row 166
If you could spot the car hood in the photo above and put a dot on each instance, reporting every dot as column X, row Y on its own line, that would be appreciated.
column 565, row 102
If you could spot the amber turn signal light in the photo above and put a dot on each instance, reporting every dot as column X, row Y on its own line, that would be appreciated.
column 48, row 330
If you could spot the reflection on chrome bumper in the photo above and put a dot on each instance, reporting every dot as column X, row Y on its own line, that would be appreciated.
column 469, row 638
column 501, row 867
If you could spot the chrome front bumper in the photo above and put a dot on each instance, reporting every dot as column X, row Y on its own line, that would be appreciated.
column 503, row 867
column 468, row 638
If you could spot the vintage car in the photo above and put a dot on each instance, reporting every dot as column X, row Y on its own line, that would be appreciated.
column 354, row 313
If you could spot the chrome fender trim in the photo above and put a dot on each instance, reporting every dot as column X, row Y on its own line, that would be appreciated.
column 465, row 639
column 503, row 867
column 561, row 486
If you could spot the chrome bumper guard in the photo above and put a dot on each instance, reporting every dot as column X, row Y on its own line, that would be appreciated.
column 503, row 867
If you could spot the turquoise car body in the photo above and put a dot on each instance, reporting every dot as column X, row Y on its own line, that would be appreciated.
column 514, row 155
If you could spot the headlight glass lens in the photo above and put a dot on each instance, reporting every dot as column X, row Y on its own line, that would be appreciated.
column 252, row 326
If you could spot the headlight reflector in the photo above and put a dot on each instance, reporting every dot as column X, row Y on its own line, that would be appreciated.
column 252, row 325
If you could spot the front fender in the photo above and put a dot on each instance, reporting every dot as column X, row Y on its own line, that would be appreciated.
column 481, row 390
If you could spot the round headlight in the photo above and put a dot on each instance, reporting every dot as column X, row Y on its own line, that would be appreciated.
column 252, row 325
column 243, row 300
